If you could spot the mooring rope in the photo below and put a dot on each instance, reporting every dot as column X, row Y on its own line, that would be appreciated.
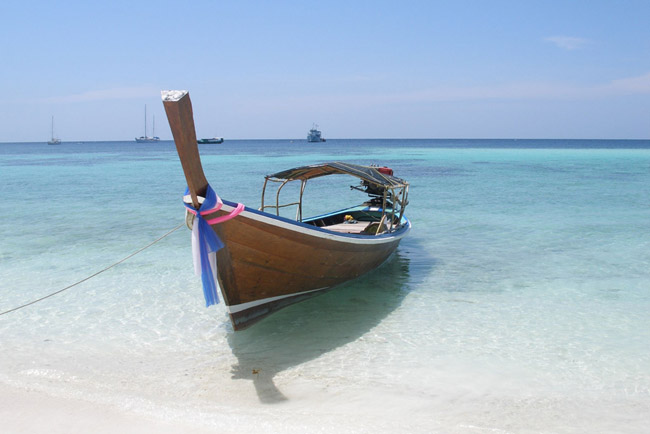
column 95, row 274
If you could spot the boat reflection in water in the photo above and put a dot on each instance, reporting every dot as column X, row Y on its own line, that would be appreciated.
column 307, row 330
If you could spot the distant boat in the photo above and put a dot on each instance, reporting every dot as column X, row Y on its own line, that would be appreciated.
column 216, row 140
column 53, row 140
column 314, row 135
column 145, row 138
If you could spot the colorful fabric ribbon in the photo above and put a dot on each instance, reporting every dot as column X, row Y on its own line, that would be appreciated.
column 205, row 241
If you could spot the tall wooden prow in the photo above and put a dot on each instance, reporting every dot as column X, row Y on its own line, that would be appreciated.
column 181, row 121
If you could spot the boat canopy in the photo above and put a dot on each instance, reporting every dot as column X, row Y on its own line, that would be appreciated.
column 366, row 173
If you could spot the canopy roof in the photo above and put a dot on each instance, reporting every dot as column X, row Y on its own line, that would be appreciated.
column 367, row 173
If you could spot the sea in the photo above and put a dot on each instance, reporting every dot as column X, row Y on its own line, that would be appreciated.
column 518, row 303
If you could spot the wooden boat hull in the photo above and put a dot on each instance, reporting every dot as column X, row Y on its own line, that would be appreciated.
column 270, row 262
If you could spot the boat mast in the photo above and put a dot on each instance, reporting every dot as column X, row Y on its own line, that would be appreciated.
column 52, row 127
column 145, row 121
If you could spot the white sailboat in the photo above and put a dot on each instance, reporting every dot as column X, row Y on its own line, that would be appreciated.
column 53, row 140
column 145, row 138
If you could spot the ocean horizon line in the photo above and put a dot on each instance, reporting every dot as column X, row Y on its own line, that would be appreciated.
column 485, row 139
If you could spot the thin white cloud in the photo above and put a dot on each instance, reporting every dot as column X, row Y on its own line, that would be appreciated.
column 516, row 91
column 104, row 94
column 639, row 85
column 631, row 85
column 568, row 42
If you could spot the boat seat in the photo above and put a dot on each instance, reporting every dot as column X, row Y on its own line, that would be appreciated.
column 348, row 228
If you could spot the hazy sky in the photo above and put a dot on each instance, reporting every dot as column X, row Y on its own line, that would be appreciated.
column 359, row 69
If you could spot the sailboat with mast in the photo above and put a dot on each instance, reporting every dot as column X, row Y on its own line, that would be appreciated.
column 145, row 138
column 53, row 140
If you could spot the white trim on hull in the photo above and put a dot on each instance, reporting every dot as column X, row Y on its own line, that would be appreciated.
column 243, row 306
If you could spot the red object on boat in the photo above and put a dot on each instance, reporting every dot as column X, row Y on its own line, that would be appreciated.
column 385, row 170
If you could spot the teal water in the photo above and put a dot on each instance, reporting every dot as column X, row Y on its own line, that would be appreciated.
column 518, row 303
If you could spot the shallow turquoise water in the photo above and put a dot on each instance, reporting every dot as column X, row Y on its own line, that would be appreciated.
column 518, row 303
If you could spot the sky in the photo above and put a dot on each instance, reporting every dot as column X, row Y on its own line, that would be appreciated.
column 359, row 69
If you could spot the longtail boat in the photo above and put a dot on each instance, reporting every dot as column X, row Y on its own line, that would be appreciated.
column 265, row 261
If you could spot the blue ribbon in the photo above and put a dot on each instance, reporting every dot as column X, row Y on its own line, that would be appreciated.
column 208, row 242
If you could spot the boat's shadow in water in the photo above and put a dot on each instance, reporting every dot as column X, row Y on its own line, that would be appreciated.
column 309, row 329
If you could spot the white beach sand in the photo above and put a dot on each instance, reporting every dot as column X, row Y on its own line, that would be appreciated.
column 30, row 411
column 302, row 407
column 23, row 411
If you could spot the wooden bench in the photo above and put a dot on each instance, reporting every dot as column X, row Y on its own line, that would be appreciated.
column 348, row 228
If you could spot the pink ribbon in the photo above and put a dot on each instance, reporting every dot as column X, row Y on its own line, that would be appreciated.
column 234, row 213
